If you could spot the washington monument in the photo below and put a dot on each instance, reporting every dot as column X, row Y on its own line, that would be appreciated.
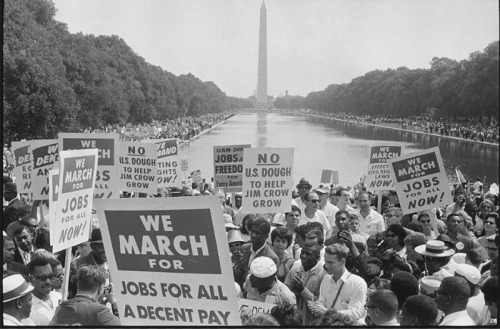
column 262, row 73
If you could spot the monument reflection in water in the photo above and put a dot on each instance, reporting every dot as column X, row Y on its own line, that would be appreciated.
column 330, row 144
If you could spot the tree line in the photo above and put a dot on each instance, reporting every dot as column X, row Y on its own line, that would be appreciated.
column 55, row 81
column 450, row 88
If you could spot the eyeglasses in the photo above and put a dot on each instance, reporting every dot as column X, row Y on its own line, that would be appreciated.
column 369, row 306
column 389, row 215
column 59, row 276
column 44, row 277
column 425, row 221
column 492, row 248
column 490, row 222
column 315, row 201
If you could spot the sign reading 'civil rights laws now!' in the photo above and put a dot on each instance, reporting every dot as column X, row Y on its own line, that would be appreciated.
column 267, row 179
column 169, row 261
column 420, row 180
column 77, row 175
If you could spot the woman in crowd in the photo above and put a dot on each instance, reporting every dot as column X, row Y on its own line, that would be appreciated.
column 281, row 239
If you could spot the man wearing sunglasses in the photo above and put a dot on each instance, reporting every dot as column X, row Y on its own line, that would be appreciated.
column 45, row 301
column 312, row 213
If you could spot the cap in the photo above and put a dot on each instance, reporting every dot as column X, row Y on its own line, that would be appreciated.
column 96, row 235
column 434, row 248
column 262, row 267
column 228, row 221
column 429, row 284
column 234, row 236
column 469, row 272
column 303, row 181
column 459, row 258
column 10, row 187
column 14, row 287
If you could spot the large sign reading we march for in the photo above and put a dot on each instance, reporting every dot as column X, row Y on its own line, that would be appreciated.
column 228, row 167
column 45, row 152
column 379, row 176
column 138, row 167
column 420, row 180
column 170, row 262
column 23, row 165
column 77, row 175
column 107, row 175
column 267, row 179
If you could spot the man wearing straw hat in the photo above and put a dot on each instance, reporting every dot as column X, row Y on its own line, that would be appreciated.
column 435, row 255
column 17, row 300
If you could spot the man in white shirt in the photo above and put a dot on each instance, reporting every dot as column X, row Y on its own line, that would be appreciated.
column 452, row 298
column 370, row 221
column 303, row 187
column 327, row 208
column 475, row 306
column 311, row 212
column 343, row 200
column 341, row 290
column 45, row 301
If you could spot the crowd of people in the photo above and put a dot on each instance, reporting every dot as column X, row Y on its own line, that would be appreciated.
column 466, row 128
column 332, row 260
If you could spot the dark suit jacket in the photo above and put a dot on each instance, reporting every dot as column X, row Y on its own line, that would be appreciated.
column 10, row 214
column 17, row 255
column 468, row 243
column 17, row 268
column 241, row 269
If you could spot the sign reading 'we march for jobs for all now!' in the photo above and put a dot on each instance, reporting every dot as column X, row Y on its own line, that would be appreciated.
column 77, row 176
column 420, row 180
column 267, row 179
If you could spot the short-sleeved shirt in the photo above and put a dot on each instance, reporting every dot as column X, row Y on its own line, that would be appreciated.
column 372, row 224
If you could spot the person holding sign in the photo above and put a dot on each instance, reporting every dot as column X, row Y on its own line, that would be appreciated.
column 262, row 284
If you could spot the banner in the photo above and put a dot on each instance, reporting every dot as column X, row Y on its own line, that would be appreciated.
column 138, row 167
column 228, row 167
column 77, row 176
column 379, row 177
column 45, row 152
column 267, row 180
column 326, row 176
column 108, row 173
column 255, row 306
column 53, row 196
column 420, row 180
column 170, row 262
column 23, row 164
column 167, row 159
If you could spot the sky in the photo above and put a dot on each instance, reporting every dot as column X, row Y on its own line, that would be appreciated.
column 311, row 44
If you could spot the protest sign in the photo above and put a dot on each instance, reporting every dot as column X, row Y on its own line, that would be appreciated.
column 326, row 176
column 167, row 160
column 228, row 167
column 138, row 167
column 53, row 194
column 379, row 177
column 254, row 306
column 335, row 177
column 420, row 180
column 108, row 173
column 23, row 164
column 45, row 152
column 77, row 176
column 267, row 179
column 170, row 262
column 196, row 176
column 184, row 165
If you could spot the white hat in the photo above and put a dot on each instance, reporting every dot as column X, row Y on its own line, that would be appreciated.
column 228, row 221
column 322, row 190
column 234, row 236
column 430, row 284
column 262, row 267
column 14, row 287
column 469, row 272
column 459, row 258
column 434, row 248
